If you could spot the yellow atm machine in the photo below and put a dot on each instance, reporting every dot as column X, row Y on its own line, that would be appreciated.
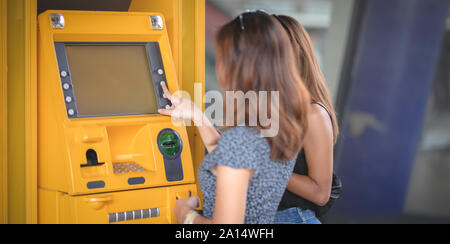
column 105, row 155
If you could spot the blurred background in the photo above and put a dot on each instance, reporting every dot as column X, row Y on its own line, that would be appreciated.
column 387, row 64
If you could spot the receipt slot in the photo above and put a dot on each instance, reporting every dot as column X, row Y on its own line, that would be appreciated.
column 105, row 155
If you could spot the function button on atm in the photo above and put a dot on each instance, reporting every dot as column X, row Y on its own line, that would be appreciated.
column 71, row 112
column 66, row 86
column 64, row 74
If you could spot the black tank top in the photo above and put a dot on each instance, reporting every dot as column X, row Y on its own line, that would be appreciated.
column 291, row 200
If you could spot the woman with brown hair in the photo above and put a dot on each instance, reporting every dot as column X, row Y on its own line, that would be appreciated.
column 312, row 188
column 245, row 175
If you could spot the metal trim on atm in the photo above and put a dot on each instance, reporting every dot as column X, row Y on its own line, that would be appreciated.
column 155, row 62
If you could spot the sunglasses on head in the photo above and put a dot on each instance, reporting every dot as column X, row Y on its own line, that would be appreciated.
column 249, row 11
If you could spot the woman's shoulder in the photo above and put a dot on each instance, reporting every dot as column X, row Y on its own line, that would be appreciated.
column 319, row 111
column 319, row 115
column 319, row 121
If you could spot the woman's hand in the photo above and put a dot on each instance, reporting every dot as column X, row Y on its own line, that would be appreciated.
column 184, row 109
column 181, row 109
column 184, row 206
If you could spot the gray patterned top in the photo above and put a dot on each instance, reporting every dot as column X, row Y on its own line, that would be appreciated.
column 239, row 148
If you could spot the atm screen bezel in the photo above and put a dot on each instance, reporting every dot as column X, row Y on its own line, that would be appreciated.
column 155, row 62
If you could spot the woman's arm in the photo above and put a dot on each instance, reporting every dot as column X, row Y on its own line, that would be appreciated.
column 316, row 187
column 209, row 134
column 231, row 198
column 185, row 109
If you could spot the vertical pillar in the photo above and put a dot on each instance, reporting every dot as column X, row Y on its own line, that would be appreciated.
column 3, row 117
column 194, row 66
column 337, row 39
column 395, row 61
column 22, row 116
column 199, row 79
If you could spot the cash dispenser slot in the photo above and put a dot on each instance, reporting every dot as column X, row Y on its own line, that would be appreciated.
column 131, row 149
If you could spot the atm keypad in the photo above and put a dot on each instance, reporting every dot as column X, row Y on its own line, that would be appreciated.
column 127, row 167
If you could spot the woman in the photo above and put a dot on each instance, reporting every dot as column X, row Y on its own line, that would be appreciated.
column 310, row 185
column 245, row 175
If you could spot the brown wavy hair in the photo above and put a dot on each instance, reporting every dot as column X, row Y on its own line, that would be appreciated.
column 310, row 71
column 254, row 53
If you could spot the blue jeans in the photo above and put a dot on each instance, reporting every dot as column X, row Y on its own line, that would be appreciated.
column 296, row 216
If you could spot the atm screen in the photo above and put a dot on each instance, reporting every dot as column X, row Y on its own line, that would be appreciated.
column 110, row 80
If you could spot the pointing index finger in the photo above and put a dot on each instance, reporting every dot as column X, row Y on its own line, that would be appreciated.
column 166, row 91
